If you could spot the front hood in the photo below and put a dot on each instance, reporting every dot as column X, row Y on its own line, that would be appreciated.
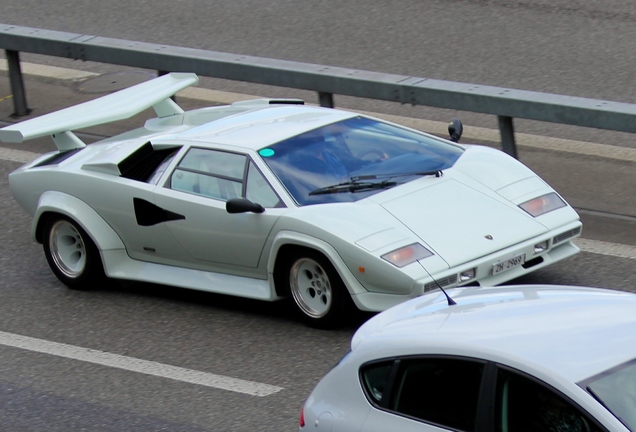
column 457, row 221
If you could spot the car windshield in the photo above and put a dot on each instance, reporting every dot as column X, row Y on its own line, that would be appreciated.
column 359, row 155
column 616, row 389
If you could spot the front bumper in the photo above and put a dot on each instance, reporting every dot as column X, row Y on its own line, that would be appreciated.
column 560, row 246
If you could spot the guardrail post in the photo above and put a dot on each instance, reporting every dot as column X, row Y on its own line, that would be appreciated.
column 507, row 136
column 325, row 99
column 17, row 84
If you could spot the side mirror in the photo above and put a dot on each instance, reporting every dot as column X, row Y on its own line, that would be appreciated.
column 455, row 130
column 242, row 205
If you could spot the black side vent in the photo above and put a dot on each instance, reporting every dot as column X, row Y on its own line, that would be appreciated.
column 141, row 164
column 58, row 157
column 533, row 262
column 440, row 282
column 566, row 235
column 286, row 102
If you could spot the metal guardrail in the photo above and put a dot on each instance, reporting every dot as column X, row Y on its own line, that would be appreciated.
column 505, row 103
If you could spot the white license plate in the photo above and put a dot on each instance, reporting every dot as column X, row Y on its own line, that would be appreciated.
column 507, row 264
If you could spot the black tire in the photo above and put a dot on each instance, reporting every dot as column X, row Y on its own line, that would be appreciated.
column 314, row 289
column 72, row 254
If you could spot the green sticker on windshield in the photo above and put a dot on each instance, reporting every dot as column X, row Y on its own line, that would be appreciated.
column 267, row 152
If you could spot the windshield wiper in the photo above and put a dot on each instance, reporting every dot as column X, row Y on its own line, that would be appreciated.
column 356, row 185
column 353, row 186
column 436, row 173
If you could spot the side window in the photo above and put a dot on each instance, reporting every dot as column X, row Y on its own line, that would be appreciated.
column 258, row 190
column 375, row 379
column 210, row 173
column 442, row 391
column 524, row 405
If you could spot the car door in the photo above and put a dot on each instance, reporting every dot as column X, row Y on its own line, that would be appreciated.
column 126, row 201
column 197, row 191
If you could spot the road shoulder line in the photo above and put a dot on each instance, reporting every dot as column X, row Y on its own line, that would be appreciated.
column 137, row 365
column 606, row 248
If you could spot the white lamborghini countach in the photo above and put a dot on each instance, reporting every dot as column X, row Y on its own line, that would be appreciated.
column 271, row 199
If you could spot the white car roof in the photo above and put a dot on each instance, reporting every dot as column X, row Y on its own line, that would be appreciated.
column 263, row 126
column 572, row 331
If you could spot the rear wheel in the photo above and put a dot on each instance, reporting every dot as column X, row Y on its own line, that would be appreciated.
column 71, row 254
column 315, row 289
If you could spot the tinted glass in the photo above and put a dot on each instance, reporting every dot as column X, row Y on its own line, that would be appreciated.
column 439, row 391
column 616, row 389
column 357, row 148
column 524, row 405
column 375, row 380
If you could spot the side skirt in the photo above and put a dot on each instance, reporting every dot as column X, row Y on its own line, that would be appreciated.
column 118, row 265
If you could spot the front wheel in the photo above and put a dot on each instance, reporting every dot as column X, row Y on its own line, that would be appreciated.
column 71, row 254
column 315, row 290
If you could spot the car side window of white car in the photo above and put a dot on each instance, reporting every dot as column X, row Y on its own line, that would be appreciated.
column 211, row 173
column 428, row 389
column 222, row 175
column 524, row 404
column 441, row 391
column 258, row 190
column 375, row 378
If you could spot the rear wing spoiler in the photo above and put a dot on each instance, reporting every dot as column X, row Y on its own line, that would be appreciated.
column 120, row 105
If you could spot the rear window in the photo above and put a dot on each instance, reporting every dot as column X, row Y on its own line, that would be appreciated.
column 58, row 157
column 616, row 389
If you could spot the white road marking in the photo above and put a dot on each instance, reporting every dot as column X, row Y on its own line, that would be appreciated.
column 17, row 155
column 137, row 365
column 50, row 71
column 606, row 248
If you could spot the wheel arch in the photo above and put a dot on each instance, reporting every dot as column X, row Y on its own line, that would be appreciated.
column 53, row 202
column 287, row 243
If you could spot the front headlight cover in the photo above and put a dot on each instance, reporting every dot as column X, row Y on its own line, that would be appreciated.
column 543, row 204
column 407, row 255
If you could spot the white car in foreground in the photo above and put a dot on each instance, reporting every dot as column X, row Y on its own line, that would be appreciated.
column 507, row 359
column 272, row 199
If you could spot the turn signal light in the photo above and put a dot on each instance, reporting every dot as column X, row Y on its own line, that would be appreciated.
column 543, row 204
column 407, row 255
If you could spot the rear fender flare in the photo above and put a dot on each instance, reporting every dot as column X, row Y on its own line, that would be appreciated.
column 290, row 238
column 101, row 233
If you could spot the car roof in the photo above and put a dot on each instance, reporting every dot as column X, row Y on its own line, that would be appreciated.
column 573, row 331
column 262, row 126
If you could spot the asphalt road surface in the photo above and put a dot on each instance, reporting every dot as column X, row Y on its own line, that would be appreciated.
column 150, row 358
